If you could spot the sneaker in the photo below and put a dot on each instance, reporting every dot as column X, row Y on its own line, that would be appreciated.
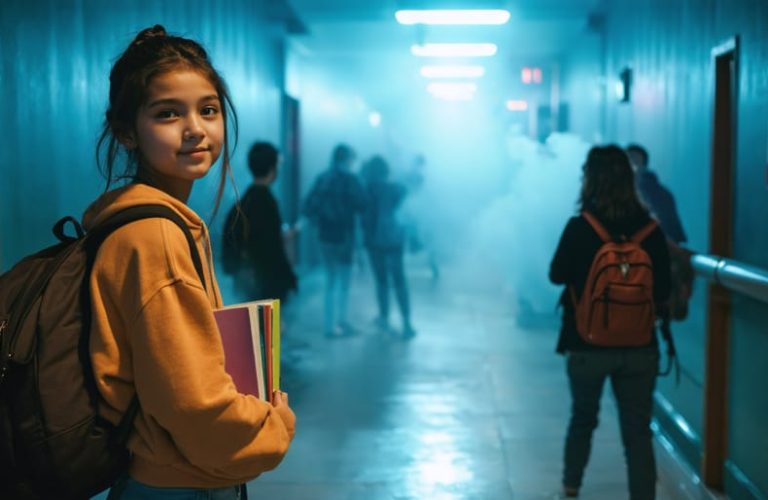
column 381, row 323
column 347, row 329
column 408, row 332
column 570, row 492
column 335, row 333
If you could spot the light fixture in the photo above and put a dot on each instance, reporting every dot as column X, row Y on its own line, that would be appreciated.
column 374, row 118
column 517, row 105
column 452, row 71
column 624, row 85
column 452, row 91
column 454, row 50
column 437, row 16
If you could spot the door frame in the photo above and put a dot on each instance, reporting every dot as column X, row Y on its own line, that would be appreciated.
column 725, row 63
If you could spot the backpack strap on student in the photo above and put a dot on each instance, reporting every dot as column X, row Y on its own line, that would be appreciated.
column 604, row 235
column 95, row 238
column 599, row 228
column 672, row 359
column 645, row 231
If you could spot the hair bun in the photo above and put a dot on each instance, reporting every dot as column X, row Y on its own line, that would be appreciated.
column 156, row 31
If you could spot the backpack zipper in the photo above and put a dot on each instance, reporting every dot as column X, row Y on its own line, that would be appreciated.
column 594, row 282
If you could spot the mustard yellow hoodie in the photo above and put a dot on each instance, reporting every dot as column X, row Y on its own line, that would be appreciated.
column 154, row 334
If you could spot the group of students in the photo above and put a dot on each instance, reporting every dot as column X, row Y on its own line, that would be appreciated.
column 337, row 203
column 153, row 332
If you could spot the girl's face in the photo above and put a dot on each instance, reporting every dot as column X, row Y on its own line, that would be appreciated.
column 179, row 130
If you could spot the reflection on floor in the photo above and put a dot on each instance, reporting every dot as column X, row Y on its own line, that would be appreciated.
column 473, row 408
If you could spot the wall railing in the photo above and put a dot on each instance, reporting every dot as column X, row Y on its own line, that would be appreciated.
column 736, row 276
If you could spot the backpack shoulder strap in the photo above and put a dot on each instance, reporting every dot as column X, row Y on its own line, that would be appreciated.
column 645, row 231
column 98, row 234
column 599, row 228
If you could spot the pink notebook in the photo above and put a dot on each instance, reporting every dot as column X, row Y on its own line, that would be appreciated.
column 243, row 358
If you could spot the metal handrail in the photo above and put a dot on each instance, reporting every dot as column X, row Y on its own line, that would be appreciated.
column 743, row 278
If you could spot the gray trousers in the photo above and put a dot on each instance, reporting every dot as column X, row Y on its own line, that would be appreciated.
column 632, row 373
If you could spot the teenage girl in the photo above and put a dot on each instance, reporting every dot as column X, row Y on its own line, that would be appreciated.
column 153, row 332
column 608, row 193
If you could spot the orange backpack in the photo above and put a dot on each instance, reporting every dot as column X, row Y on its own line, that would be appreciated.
column 616, row 307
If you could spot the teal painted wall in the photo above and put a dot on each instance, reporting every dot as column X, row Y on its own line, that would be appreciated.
column 55, row 57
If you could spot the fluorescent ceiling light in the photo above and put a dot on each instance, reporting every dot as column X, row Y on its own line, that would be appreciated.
column 474, row 16
column 454, row 50
column 452, row 91
column 452, row 71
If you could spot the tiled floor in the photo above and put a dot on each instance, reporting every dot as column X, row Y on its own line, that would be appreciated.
column 474, row 407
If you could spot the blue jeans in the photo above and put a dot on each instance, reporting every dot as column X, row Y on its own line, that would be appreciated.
column 128, row 488
column 387, row 264
column 337, row 259
column 633, row 378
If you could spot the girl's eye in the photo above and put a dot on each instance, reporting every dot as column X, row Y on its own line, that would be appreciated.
column 166, row 114
column 209, row 111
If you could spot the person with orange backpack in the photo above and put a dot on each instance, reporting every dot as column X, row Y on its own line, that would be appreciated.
column 614, row 263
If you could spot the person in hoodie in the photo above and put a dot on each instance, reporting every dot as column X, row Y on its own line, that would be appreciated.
column 253, row 244
column 153, row 331
column 655, row 195
column 608, row 194
column 333, row 204
column 384, row 238
column 661, row 203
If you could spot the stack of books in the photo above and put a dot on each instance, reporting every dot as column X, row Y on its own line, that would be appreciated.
column 250, row 333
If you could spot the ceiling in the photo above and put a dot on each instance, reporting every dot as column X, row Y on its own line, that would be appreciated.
column 355, row 39
column 358, row 27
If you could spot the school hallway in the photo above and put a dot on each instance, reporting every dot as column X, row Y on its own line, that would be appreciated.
column 474, row 407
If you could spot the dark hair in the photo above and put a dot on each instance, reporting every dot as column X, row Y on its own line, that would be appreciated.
column 638, row 149
column 262, row 159
column 608, row 184
column 154, row 52
column 375, row 169
column 342, row 153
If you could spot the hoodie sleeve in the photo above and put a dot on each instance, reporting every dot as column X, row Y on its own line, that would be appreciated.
column 180, row 379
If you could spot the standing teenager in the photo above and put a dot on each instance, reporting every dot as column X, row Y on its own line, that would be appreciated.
column 153, row 331
column 609, row 201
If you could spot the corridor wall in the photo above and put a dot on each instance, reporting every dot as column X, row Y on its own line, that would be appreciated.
column 55, row 58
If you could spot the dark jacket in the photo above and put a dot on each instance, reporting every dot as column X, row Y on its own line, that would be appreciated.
column 381, row 227
column 258, row 242
column 662, row 204
column 332, row 204
column 573, row 258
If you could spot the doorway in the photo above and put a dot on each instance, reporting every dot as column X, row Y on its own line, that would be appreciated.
column 291, row 172
column 721, row 222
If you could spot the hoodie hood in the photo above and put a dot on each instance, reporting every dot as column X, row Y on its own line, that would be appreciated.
column 133, row 195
